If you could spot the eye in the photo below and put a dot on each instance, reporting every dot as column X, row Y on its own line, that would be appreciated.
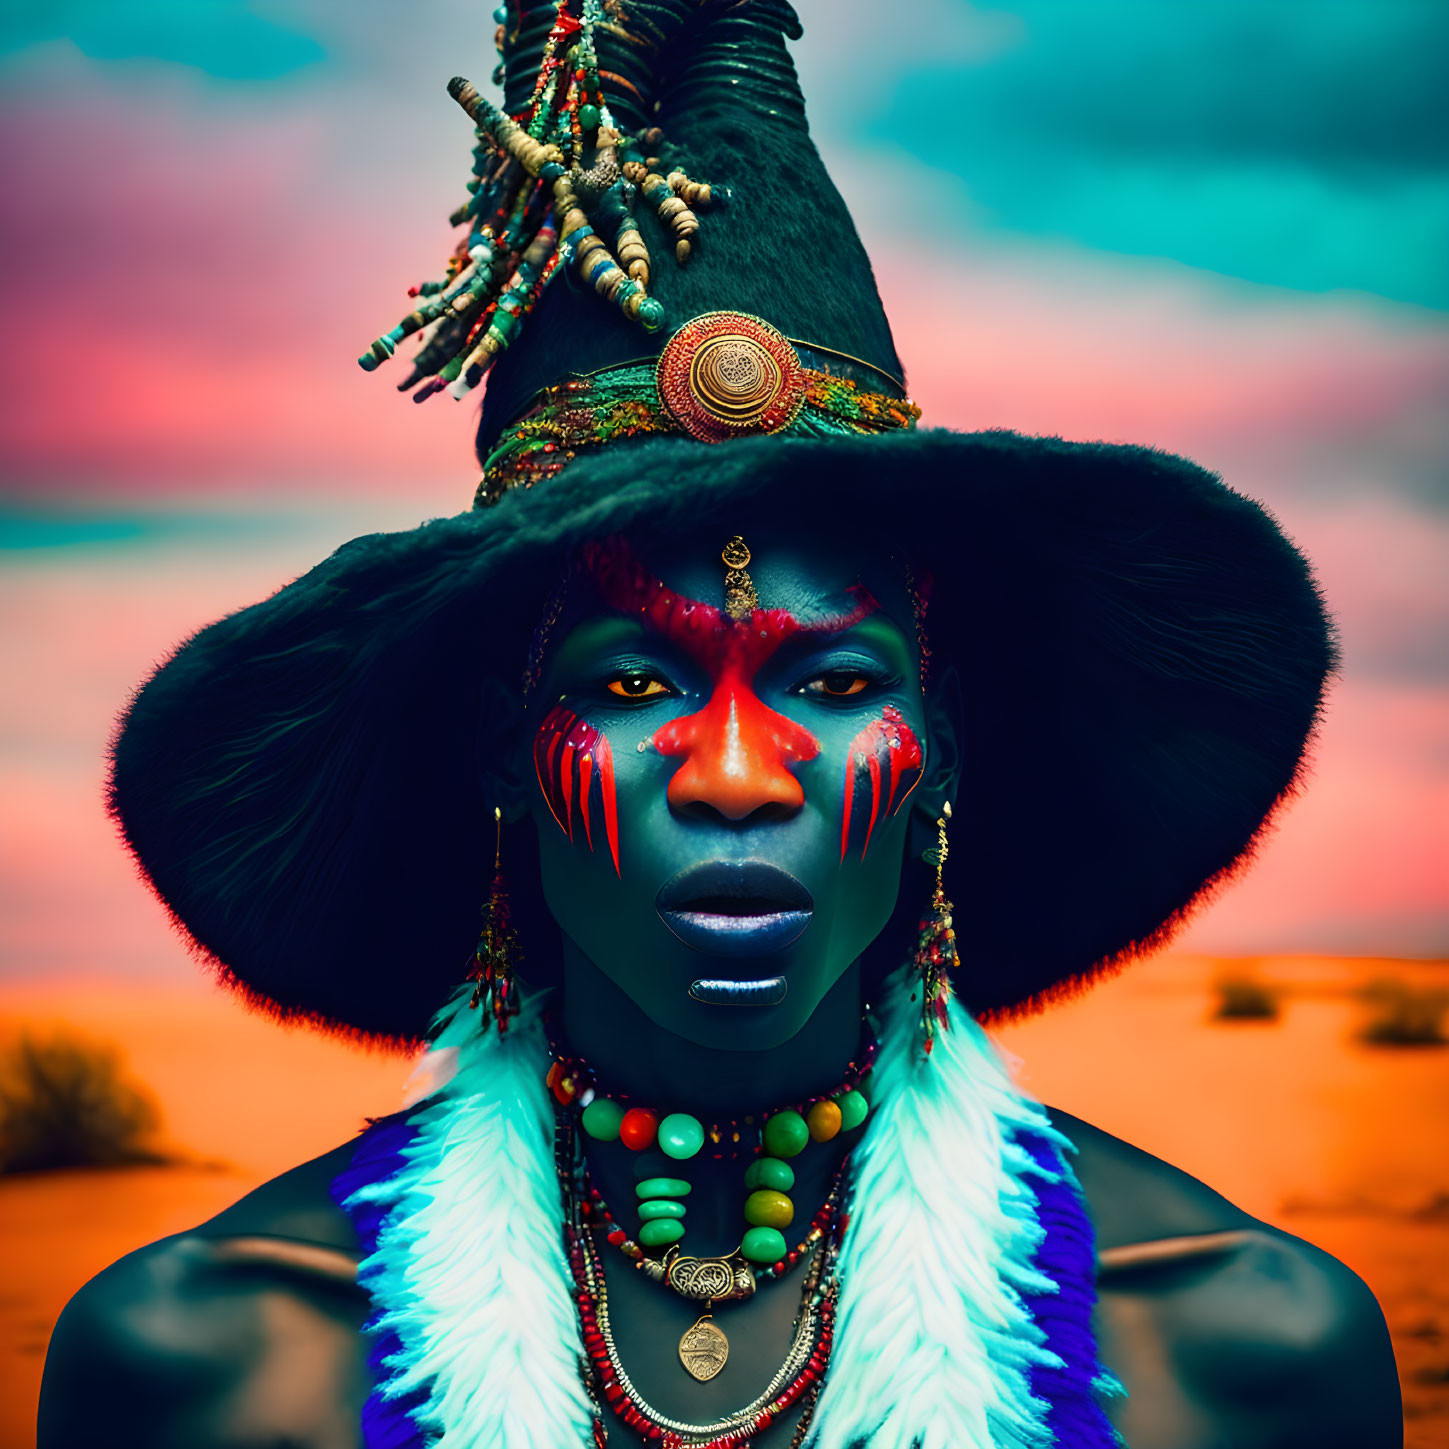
column 838, row 684
column 638, row 686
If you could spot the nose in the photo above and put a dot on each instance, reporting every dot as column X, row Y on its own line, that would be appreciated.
column 736, row 755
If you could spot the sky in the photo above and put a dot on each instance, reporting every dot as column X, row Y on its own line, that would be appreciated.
column 1219, row 228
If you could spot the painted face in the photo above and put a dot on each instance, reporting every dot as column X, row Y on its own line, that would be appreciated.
column 722, row 803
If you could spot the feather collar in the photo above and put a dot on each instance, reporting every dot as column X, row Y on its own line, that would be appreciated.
column 966, row 1272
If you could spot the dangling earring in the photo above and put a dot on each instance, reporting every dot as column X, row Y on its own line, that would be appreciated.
column 936, row 956
column 497, row 954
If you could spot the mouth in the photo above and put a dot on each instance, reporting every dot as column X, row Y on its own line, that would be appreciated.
column 735, row 908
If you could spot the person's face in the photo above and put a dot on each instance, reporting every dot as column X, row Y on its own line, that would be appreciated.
column 722, row 805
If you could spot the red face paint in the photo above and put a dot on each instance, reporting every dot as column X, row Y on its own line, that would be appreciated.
column 885, row 758
column 573, row 759
column 736, row 751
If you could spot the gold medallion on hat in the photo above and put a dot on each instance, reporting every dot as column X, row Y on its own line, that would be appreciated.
column 726, row 373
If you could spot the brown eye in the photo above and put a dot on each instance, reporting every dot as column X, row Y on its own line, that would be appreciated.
column 838, row 684
column 637, row 686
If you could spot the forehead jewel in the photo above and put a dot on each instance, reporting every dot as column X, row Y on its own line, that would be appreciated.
column 741, row 600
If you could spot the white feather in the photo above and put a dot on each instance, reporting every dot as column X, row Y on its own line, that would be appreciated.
column 934, row 1344
column 470, row 1270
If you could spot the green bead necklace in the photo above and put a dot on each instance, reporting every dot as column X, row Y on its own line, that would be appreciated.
column 768, row 1209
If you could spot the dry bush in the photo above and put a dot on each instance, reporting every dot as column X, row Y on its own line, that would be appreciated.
column 65, row 1102
column 1401, row 1014
column 1245, row 998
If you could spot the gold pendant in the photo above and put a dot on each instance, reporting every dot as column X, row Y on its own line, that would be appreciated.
column 703, row 1349
column 709, row 1279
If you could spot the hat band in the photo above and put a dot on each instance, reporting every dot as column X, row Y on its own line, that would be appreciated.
column 722, row 375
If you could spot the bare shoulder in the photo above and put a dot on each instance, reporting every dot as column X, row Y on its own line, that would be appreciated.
column 1224, row 1329
column 243, row 1331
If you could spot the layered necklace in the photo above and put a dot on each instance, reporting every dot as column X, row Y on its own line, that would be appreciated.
column 655, row 1248
column 703, row 1348
column 955, row 1309
column 775, row 1137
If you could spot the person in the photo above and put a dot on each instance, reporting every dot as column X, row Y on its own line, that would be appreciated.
column 728, row 686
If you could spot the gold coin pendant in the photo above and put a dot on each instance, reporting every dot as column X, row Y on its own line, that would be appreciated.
column 703, row 1349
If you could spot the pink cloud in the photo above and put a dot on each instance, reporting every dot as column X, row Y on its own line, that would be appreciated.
column 1048, row 338
column 192, row 312
column 1359, row 861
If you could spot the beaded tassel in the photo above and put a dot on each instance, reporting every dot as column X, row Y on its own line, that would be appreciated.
column 548, row 189
column 936, row 956
column 672, row 209
column 583, row 197
column 518, row 299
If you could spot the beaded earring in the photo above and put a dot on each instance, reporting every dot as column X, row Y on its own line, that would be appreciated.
column 497, row 955
column 936, row 955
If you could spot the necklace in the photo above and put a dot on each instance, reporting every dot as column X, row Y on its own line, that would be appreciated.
column 965, row 1280
column 703, row 1348
column 776, row 1136
column 673, row 1270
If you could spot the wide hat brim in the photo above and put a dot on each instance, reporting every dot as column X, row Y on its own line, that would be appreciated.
column 1143, row 656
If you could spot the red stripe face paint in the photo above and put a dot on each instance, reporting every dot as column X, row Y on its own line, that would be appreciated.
column 883, row 767
column 736, row 752
column 574, row 762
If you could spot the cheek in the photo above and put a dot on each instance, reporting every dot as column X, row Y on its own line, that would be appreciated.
column 882, row 767
column 575, row 768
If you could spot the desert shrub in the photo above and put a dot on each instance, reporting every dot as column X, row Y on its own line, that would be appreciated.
column 1401, row 1014
column 65, row 1102
column 1245, row 998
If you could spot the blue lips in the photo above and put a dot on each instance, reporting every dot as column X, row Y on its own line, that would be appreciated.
column 727, row 935
column 735, row 908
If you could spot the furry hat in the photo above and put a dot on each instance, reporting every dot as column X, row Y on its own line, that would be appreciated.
column 1145, row 651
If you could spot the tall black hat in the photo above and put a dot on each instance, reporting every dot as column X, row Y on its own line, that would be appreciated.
column 1146, row 651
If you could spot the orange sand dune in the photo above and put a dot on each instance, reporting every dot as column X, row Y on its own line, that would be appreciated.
column 1341, row 1143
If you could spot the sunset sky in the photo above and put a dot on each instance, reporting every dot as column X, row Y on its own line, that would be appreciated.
column 1219, row 228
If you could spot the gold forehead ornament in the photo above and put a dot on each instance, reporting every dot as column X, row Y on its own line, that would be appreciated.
column 741, row 600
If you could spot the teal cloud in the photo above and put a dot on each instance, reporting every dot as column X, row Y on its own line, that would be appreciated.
column 226, row 39
column 30, row 529
column 1300, row 145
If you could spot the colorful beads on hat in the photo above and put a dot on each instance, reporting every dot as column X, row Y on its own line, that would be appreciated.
column 671, row 208
column 519, row 298
column 555, row 162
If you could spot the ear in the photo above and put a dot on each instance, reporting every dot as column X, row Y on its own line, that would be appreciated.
column 945, row 727
column 505, row 761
